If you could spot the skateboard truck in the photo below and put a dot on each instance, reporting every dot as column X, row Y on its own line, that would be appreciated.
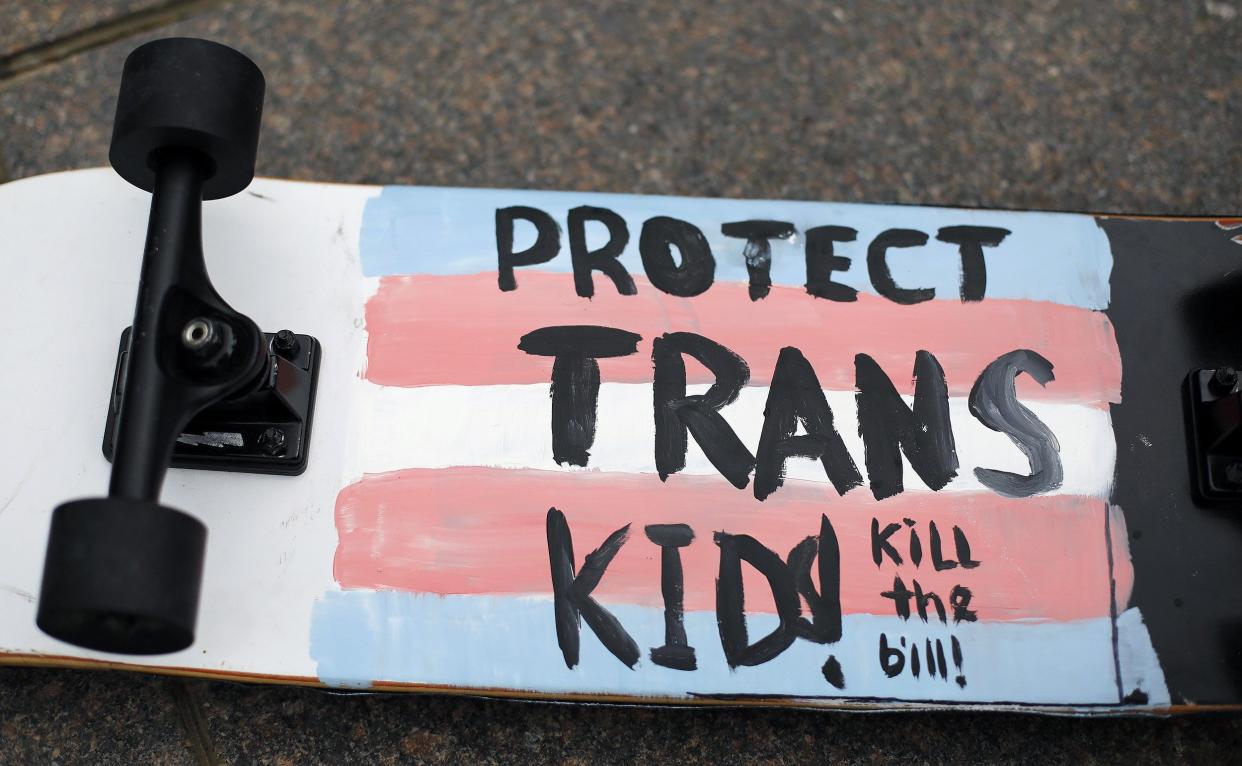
column 261, row 429
column 196, row 385
column 1214, row 427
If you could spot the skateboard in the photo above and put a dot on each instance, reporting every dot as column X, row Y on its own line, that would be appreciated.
column 606, row 447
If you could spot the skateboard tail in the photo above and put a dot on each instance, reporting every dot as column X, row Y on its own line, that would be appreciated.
column 418, row 559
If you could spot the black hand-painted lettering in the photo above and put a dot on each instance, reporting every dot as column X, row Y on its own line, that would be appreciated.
column 795, row 395
column 880, row 546
column 994, row 402
column 921, row 600
column 677, row 413
column 676, row 653
column 832, row 672
column 730, row 600
column 758, row 250
column 916, row 545
column 824, row 627
column 889, row 427
column 882, row 277
column 575, row 380
column 698, row 267
column 571, row 593
column 547, row 242
column 603, row 259
column 970, row 241
column 901, row 596
column 821, row 261
column 892, row 660
column 959, row 600
column 963, row 549
column 956, row 648
column 939, row 562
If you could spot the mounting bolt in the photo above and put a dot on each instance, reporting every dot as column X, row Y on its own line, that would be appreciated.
column 1224, row 379
column 272, row 441
column 199, row 334
column 1233, row 474
column 286, row 344
column 208, row 341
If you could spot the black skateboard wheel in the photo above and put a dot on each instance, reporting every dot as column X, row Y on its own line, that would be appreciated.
column 184, row 93
column 122, row 576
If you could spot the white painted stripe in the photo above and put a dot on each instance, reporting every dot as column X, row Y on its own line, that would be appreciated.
column 509, row 426
column 491, row 642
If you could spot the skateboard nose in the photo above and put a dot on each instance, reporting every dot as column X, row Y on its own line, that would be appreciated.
column 123, row 573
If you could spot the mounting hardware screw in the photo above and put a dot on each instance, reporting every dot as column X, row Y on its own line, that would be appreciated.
column 286, row 344
column 198, row 334
column 272, row 441
column 1233, row 474
column 1224, row 379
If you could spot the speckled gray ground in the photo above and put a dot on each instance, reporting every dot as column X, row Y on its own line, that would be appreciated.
column 1118, row 106
column 101, row 718
column 27, row 23
column 1121, row 106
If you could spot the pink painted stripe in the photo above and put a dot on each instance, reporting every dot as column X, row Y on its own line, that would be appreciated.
column 445, row 330
column 1123, row 571
column 482, row 530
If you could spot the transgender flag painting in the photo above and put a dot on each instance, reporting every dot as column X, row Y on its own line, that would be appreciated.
column 671, row 450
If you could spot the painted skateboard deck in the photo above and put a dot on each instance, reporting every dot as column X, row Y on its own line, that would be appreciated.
column 665, row 450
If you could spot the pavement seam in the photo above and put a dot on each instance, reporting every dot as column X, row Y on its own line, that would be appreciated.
column 35, row 57
column 193, row 723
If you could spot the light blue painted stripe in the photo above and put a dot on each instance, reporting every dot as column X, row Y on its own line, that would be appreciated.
column 1057, row 257
column 510, row 643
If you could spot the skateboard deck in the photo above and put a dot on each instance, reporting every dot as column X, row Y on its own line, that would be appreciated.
column 639, row 449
